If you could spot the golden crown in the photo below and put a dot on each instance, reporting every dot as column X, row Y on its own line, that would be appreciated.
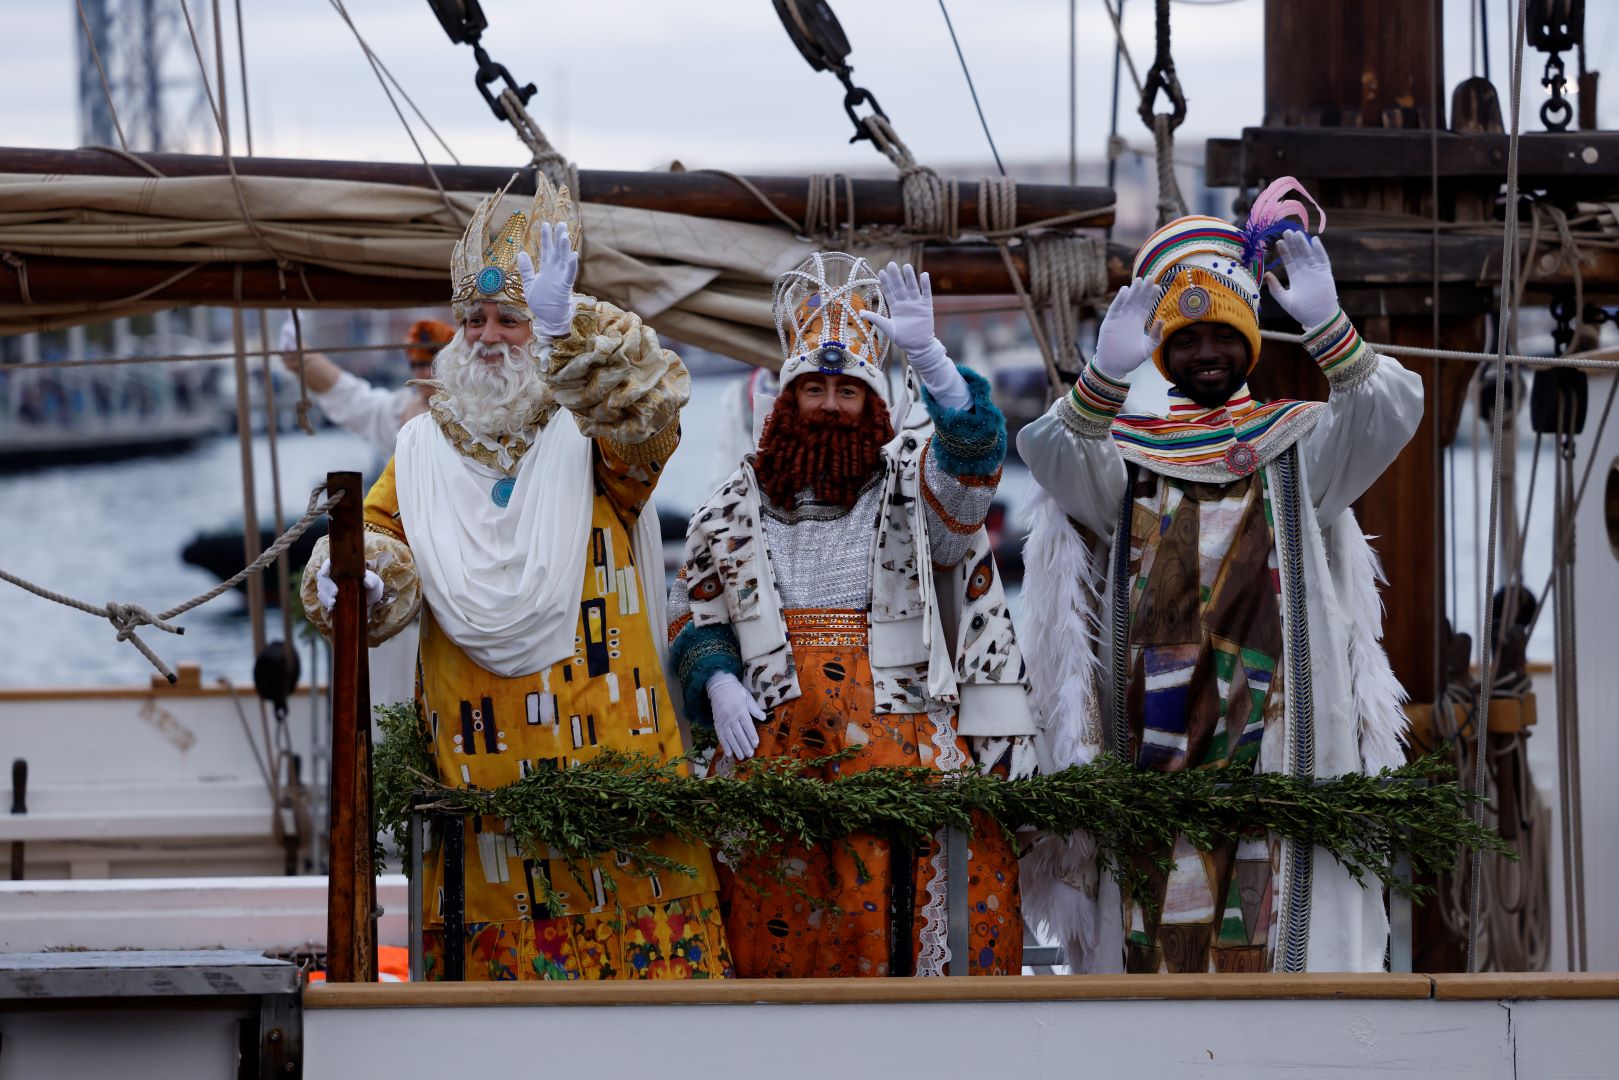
column 488, row 272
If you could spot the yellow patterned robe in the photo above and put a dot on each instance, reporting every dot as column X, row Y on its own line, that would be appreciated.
column 489, row 731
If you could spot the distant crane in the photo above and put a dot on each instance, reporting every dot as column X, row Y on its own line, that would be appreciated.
column 151, row 74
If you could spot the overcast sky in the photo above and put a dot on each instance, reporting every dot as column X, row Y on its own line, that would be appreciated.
column 713, row 83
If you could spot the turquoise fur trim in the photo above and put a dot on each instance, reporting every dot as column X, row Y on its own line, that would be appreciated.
column 697, row 654
column 970, row 441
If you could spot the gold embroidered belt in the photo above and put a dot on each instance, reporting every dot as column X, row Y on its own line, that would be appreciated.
column 825, row 627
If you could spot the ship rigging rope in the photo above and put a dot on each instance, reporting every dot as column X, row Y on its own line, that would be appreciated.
column 971, row 89
column 380, row 69
column 1508, row 311
column 1161, row 76
column 1162, row 125
column 127, row 618
column 176, row 358
column 1567, row 683
column 377, row 70
column 106, row 86
column 544, row 155
column 283, row 264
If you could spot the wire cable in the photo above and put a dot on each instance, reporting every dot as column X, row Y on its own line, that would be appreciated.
column 970, row 87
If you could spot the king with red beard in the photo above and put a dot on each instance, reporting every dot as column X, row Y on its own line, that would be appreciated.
column 811, row 617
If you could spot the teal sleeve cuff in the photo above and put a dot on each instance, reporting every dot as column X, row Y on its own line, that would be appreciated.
column 970, row 441
column 697, row 654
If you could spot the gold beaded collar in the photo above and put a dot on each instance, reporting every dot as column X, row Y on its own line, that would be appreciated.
column 468, row 445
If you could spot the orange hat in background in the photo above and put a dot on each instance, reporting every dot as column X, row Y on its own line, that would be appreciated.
column 432, row 335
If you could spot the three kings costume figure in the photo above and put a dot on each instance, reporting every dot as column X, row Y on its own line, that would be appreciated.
column 839, row 594
column 1223, row 608
column 515, row 514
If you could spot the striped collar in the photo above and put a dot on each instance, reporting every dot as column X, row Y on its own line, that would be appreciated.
column 1217, row 445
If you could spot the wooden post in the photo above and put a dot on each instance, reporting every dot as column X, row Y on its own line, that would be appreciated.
column 1367, row 64
column 351, row 899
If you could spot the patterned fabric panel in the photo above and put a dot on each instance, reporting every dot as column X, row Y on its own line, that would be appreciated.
column 1205, row 647
column 828, row 912
column 680, row 939
column 491, row 731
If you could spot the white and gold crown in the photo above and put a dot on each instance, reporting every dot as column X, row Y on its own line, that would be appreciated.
column 818, row 320
column 484, row 269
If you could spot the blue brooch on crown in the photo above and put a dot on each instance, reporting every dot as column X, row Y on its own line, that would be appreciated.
column 491, row 280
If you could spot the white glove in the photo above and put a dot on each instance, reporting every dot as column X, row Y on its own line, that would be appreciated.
column 326, row 588
column 548, row 289
column 736, row 715
column 1124, row 343
column 1310, row 295
column 287, row 344
column 910, row 326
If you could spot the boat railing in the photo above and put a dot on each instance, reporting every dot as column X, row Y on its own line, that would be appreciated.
column 447, row 828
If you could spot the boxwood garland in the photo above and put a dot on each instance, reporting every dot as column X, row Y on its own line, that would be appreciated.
column 616, row 803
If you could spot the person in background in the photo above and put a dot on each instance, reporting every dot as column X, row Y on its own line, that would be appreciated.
column 371, row 412
column 375, row 414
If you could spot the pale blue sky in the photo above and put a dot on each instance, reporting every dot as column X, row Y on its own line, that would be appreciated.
column 638, row 83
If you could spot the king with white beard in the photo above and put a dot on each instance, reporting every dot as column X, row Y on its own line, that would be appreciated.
column 515, row 516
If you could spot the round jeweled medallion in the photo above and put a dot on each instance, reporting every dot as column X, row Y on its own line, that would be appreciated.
column 1194, row 302
column 831, row 358
column 491, row 279
column 1241, row 458
column 501, row 493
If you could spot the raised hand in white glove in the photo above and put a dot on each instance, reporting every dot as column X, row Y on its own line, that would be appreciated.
column 287, row 343
column 326, row 588
column 909, row 325
column 736, row 715
column 548, row 288
column 1125, row 342
column 1310, row 296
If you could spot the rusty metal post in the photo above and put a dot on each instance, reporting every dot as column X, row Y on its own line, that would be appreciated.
column 351, row 899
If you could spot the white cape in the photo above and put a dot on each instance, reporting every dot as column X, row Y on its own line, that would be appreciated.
column 503, row 583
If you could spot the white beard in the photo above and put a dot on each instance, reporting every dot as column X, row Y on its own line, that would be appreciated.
column 492, row 390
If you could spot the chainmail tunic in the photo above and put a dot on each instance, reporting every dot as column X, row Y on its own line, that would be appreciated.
column 820, row 553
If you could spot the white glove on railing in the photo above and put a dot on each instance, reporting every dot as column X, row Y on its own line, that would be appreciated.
column 736, row 715
column 1124, row 342
column 1311, row 297
column 326, row 588
column 910, row 326
column 548, row 289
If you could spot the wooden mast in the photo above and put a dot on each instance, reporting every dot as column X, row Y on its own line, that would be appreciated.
column 1370, row 64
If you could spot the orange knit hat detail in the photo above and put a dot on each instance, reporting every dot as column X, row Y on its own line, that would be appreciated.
column 430, row 335
column 1195, row 295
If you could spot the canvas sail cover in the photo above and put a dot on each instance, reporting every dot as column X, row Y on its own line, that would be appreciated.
column 701, row 281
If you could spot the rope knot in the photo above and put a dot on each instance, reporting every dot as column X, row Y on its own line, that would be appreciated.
column 127, row 618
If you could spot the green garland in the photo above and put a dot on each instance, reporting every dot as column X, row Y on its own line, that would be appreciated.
column 616, row 803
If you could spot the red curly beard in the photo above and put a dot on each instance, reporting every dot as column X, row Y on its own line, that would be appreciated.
column 831, row 455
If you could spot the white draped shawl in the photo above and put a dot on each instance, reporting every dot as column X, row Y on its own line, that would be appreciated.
column 503, row 583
